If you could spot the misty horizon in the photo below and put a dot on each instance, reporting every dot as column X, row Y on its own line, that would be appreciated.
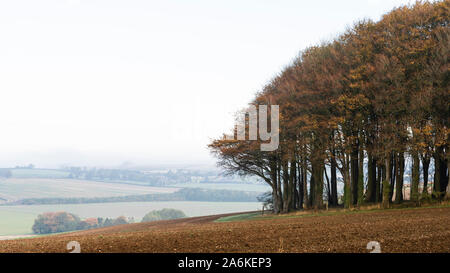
column 102, row 83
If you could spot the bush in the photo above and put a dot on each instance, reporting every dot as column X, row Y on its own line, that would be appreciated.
column 89, row 223
column 121, row 220
column 51, row 222
column 164, row 214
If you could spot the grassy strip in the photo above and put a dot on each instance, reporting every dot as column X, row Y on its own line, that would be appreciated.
column 34, row 236
column 258, row 216
column 239, row 217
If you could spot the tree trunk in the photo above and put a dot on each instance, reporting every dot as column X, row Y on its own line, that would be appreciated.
column 400, row 169
column 295, row 193
column 361, row 177
column 378, row 183
column 447, row 195
column 437, row 176
column 280, row 193
column 371, row 178
column 300, row 187
column 286, row 192
column 445, row 172
column 386, row 186
column 305, row 187
column 347, row 182
column 354, row 175
column 415, row 175
column 292, row 187
column 347, row 189
column 334, row 198
column 317, row 169
column 426, row 168
column 392, row 171
column 276, row 207
column 440, row 175
column 383, row 177
column 328, row 185
column 312, row 189
column 275, row 198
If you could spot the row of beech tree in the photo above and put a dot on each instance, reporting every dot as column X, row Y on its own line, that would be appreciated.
column 355, row 110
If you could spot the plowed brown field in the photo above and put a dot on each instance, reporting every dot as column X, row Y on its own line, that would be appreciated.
column 403, row 230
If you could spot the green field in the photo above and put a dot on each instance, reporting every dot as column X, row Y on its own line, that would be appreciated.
column 240, row 217
column 20, row 188
column 18, row 220
column 14, row 222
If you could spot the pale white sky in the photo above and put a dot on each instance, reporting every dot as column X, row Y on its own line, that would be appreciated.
column 101, row 82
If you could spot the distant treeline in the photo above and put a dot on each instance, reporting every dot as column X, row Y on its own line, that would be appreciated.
column 185, row 194
column 147, row 177
column 53, row 222
column 117, row 175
